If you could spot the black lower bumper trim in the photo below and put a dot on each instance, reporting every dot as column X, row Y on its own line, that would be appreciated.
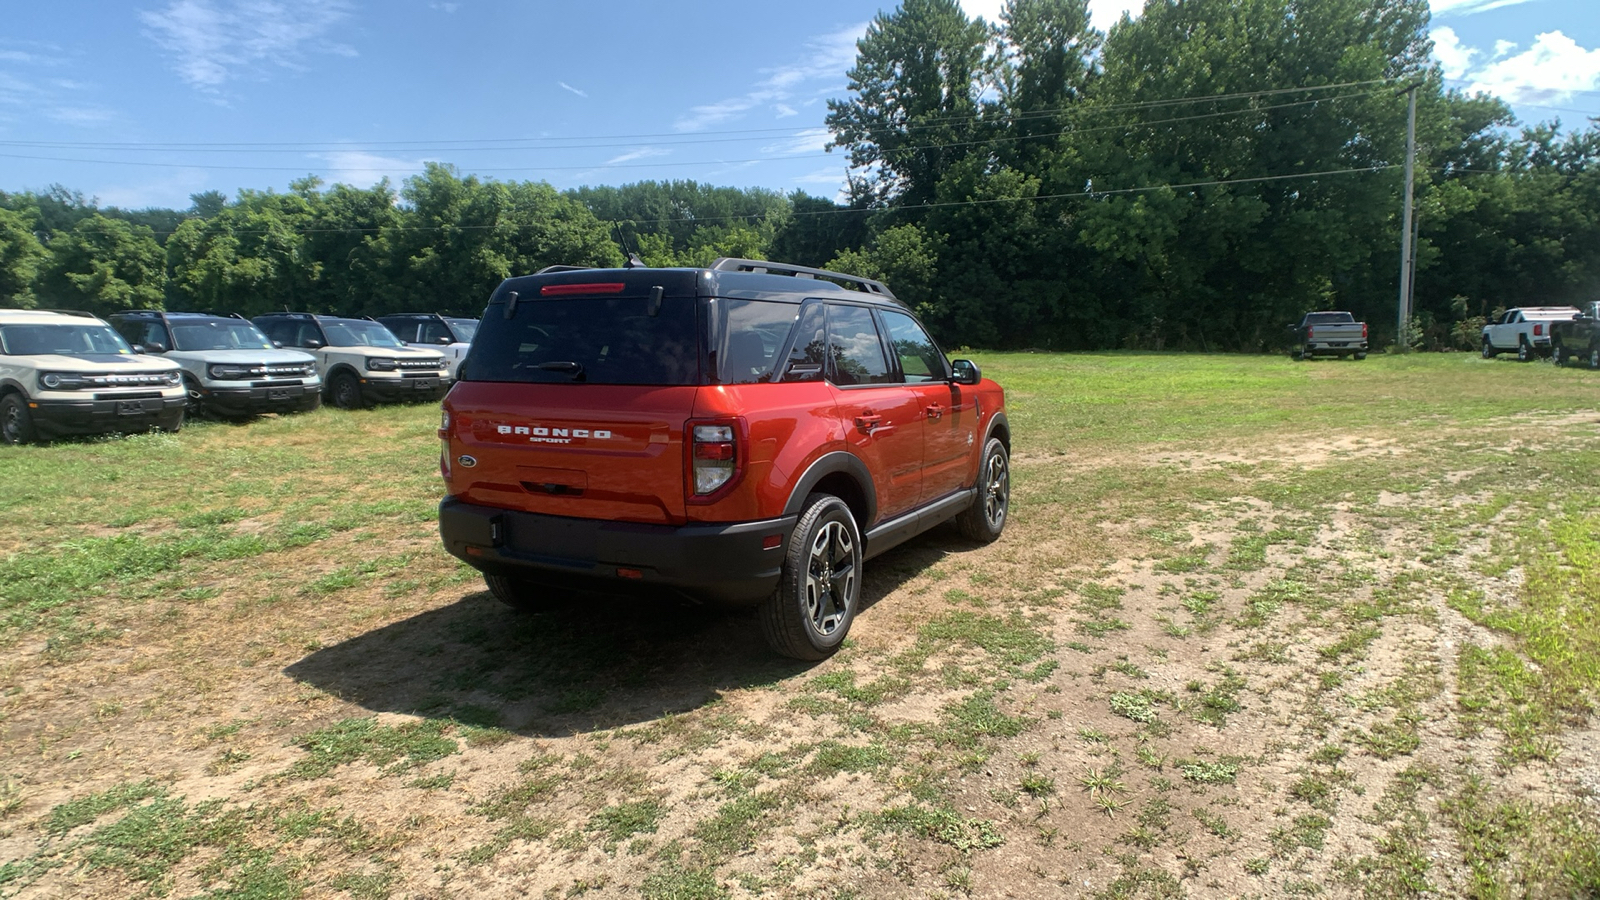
column 392, row 390
column 248, row 401
column 725, row 563
column 63, row 417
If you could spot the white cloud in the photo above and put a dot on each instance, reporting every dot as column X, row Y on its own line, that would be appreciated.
column 445, row 7
column 359, row 168
column 811, row 140
column 1454, row 57
column 826, row 58
column 1468, row 7
column 212, row 41
column 641, row 153
column 1554, row 68
column 81, row 115
column 171, row 191
column 568, row 87
column 784, row 110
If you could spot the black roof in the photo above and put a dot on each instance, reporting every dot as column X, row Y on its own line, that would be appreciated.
column 164, row 314
column 727, row 277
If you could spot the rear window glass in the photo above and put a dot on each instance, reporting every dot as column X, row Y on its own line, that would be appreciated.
column 1330, row 318
column 592, row 340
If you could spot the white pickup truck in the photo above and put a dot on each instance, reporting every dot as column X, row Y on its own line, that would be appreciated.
column 1524, row 329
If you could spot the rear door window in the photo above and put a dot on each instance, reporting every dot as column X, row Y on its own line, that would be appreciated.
column 854, row 348
column 591, row 340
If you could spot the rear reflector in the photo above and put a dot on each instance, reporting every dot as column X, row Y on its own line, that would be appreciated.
column 772, row 542
column 560, row 290
column 629, row 573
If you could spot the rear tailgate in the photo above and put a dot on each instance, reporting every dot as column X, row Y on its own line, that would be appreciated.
column 592, row 451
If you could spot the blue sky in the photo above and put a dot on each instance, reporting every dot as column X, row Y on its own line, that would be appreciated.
column 144, row 103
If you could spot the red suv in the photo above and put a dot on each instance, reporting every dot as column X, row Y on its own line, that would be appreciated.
column 746, row 433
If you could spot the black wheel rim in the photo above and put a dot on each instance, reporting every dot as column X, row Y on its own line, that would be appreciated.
column 11, row 424
column 832, row 566
column 996, row 490
column 344, row 393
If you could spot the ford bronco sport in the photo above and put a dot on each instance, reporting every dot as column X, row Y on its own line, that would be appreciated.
column 360, row 361
column 747, row 432
column 450, row 335
column 70, row 373
column 229, row 366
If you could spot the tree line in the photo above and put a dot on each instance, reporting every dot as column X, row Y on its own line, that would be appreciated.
column 1195, row 178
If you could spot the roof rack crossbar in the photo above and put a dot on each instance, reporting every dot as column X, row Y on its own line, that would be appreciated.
column 734, row 264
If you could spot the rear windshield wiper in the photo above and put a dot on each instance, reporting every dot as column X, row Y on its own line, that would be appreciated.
column 574, row 369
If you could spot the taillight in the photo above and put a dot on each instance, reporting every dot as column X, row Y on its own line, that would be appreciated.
column 1363, row 331
column 716, row 457
column 1311, row 332
column 1538, row 329
column 444, row 445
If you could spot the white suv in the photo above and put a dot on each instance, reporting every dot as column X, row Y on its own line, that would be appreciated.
column 229, row 366
column 450, row 335
column 360, row 361
column 71, row 373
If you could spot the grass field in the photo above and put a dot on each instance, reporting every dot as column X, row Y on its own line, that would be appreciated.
column 1256, row 628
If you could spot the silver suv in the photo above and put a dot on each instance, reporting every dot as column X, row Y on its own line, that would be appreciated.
column 229, row 367
column 71, row 373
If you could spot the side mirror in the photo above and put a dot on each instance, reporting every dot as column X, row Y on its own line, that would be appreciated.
column 314, row 344
column 152, row 347
column 277, row 345
column 444, row 340
column 966, row 372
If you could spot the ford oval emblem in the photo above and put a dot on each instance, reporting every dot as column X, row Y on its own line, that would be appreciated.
column 467, row 462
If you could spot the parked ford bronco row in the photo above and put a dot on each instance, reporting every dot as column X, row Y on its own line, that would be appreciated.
column 229, row 366
column 70, row 373
column 360, row 361
column 747, row 432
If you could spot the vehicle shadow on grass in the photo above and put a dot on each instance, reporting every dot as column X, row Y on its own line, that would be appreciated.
column 587, row 662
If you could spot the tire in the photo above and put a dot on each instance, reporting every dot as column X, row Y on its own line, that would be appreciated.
column 522, row 596
column 195, row 405
column 1594, row 357
column 810, row 612
column 344, row 391
column 1360, row 356
column 1558, row 355
column 16, row 423
column 986, row 517
column 1297, row 354
column 1307, row 353
column 1489, row 352
column 1524, row 352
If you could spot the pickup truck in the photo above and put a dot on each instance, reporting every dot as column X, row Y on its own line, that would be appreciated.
column 1329, row 334
column 1524, row 329
column 1577, row 339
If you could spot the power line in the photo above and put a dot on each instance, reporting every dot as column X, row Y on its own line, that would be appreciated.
column 631, row 165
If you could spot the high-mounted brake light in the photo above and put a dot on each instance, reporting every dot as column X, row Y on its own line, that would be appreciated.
column 599, row 287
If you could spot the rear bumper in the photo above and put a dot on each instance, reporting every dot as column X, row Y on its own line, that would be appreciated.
column 246, row 401
column 62, row 417
column 1356, row 346
column 721, row 562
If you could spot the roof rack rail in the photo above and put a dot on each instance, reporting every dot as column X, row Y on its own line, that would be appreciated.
column 66, row 312
column 548, row 269
column 733, row 264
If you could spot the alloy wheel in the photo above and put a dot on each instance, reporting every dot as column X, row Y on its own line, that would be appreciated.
column 830, row 577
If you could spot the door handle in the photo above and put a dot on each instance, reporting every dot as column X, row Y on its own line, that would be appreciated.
column 868, row 421
column 935, row 411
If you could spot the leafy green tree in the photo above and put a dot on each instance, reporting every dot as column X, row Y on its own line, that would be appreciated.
column 20, row 256
column 103, row 265
column 817, row 230
column 247, row 259
column 903, row 256
column 915, row 106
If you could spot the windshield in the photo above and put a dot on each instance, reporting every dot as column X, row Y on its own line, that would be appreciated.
column 610, row 340
column 464, row 329
column 357, row 333
column 218, row 334
column 66, row 340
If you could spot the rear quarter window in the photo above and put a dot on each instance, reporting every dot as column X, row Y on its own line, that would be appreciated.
column 590, row 340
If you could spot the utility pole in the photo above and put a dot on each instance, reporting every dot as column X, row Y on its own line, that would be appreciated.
column 1400, row 341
